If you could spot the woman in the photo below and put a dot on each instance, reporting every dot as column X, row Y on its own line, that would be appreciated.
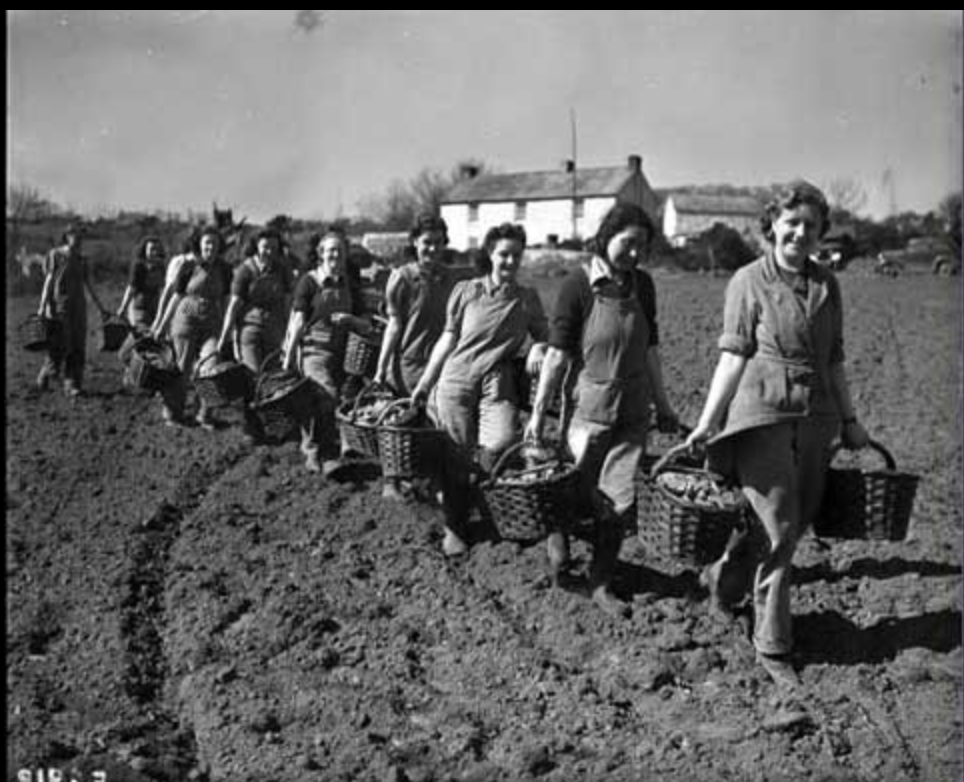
column 139, row 305
column 778, row 397
column 322, row 311
column 476, row 403
column 415, row 299
column 62, row 299
column 258, row 310
column 194, row 311
column 604, row 323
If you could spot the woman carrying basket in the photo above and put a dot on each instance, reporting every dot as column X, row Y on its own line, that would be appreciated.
column 194, row 309
column 257, row 313
column 605, row 324
column 777, row 399
column 323, row 307
column 415, row 299
column 63, row 299
column 488, row 322
column 142, row 295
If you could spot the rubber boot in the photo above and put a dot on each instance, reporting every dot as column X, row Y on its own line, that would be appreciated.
column 608, row 539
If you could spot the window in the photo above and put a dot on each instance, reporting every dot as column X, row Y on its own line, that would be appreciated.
column 473, row 213
column 578, row 208
column 520, row 211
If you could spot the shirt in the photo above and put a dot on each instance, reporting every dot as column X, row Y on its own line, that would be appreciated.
column 417, row 296
column 575, row 303
column 791, row 343
column 264, row 291
column 490, row 325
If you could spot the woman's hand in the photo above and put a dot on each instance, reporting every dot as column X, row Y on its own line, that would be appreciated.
column 698, row 437
column 533, row 429
column 853, row 435
column 534, row 359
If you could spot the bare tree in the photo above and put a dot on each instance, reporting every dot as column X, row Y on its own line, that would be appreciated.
column 846, row 195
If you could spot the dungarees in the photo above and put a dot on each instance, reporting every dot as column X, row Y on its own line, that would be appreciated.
column 424, row 321
column 607, row 434
column 194, row 330
column 263, row 323
column 322, row 355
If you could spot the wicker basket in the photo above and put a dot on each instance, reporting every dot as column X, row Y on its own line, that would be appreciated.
column 152, row 366
column 675, row 528
column 361, row 354
column 658, row 443
column 867, row 504
column 38, row 333
column 526, row 508
column 360, row 436
column 114, row 331
column 283, row 400
column 406, row 451
column 221, row 383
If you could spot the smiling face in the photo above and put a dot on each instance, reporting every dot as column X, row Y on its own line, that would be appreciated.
column 153, row 251
column 429, row 246
column 268, row 248
column 331, row 255
column 209, row 246
column 628, row 247
column 506, row 259
column 796, row 234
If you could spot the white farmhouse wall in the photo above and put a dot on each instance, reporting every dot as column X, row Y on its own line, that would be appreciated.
column 593, row 212
column 456, row 217
column 670, row 219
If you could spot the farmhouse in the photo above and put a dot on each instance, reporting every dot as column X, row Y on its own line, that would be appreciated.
column 550, row 205
column 688, row 214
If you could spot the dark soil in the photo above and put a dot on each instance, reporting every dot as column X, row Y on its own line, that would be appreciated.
column 182, row 606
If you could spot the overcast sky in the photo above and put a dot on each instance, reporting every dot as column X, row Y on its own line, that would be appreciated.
column 303, row 113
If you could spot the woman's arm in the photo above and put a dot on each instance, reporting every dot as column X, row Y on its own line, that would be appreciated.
column 852, row 433
column 160, row 323
column 390, row 342
column 234, row 307
column 726, row 378
column 296, row 328
column 442, row 350
column 553, row 370
column 125, row 301
column 45, row 293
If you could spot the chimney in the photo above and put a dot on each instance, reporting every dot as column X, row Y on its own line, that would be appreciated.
column 569, row 166
column 467, row 171
column 635, row 163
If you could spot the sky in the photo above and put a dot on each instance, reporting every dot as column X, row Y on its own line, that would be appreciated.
column 306, row 113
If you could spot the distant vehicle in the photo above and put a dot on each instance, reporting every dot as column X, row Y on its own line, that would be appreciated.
column 926, row 253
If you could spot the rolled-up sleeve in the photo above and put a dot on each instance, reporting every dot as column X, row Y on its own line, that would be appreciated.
column 739, row 318
column 396, row 298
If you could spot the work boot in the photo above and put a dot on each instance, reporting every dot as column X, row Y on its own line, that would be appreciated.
column 780, row 668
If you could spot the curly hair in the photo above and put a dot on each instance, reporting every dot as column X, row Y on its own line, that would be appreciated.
column 311, row 256
column 789, row 196
column 141, row 252
column 425, row 222
column 503, row 231
column 620, row 217
column 207, row 231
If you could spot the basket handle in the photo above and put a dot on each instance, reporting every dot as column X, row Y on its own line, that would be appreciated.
column 198, row 364
column 873, row 444
column 263, row 368
column 668, row 459
column 511, row 451
column 370, row 388
column 389, row 408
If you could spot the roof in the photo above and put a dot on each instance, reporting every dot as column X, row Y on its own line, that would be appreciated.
column 692, row 203
column 540, row 185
